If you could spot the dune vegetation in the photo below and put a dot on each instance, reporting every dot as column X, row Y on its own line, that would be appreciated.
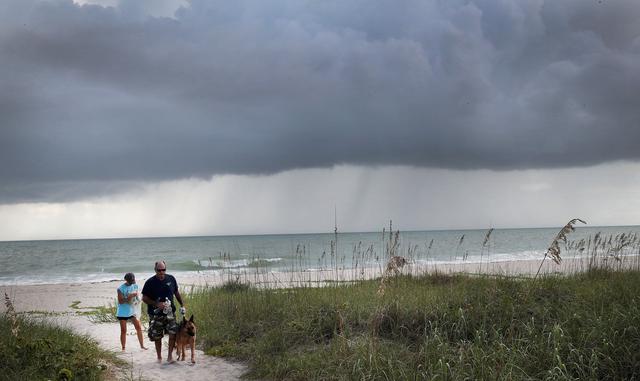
column 579, row 325
column 583, row 326
column 33, row 349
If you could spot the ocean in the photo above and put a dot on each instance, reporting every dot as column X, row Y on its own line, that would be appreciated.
column 95, row 260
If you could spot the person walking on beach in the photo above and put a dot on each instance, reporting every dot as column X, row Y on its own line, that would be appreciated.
column 128, row 298
column 157, row 293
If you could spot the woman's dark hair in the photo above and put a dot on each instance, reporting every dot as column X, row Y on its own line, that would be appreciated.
column 129, row 277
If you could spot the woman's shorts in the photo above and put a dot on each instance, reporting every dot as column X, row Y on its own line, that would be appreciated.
column 126, row 318
column 161, row 324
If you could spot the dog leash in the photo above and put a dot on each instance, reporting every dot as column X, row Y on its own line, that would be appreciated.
column 184, row 316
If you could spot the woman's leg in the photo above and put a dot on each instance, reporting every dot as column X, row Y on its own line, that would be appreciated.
column 123, row 333
column 136, row 324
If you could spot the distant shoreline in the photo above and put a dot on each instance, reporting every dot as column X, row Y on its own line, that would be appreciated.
column 218, row 276
column 60, row 262
column 307, row 233
column 265, row 276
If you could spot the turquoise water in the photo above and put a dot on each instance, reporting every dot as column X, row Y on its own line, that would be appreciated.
column 34, row 262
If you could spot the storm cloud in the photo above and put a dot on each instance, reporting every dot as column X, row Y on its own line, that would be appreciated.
column 95, row 97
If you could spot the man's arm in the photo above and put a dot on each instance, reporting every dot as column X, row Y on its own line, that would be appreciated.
column 148, row 300
column 177, row 292
column 178, row 297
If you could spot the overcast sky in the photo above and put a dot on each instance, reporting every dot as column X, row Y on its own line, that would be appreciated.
column 131, row 117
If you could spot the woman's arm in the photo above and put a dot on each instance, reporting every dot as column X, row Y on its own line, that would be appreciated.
column 121, row 299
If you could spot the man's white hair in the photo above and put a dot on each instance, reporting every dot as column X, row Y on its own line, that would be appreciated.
column 155, row 267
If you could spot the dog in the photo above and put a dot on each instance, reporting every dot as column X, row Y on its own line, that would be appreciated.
column 186, row 336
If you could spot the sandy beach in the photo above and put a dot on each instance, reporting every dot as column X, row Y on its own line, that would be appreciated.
column 63, row 303
column 59, row 303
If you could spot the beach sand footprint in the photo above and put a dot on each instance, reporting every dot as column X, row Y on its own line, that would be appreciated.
column 143, row 365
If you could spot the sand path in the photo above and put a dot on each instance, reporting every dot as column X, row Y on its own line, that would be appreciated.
column 40, row 301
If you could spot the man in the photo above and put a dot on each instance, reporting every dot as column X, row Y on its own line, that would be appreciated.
column 155, row 292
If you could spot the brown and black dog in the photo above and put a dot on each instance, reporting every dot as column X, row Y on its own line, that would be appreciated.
column 186, row 336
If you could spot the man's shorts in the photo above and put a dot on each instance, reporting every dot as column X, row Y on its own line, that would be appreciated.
column 161, row 324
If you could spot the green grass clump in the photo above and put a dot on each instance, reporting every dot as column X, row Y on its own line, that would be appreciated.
column 43, row 351
column 583, row 326
column 104, row 314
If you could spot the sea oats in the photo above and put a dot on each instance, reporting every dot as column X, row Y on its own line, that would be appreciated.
column 554, row 249
column 11, row 314
column 394, row 265
column 486, row 237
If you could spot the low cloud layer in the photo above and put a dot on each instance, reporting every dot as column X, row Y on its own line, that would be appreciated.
column 365, row 199
column 93, row 97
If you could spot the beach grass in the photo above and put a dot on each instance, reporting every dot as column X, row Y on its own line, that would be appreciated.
column 38, row 350
column 103, row 314
column 579, row 326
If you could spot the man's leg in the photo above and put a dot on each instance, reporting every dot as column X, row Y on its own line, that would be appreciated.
column 171, row 329
column 159, row 349
column 155, row 334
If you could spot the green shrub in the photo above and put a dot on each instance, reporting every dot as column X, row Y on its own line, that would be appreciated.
column 582, row 326
column 42, row 351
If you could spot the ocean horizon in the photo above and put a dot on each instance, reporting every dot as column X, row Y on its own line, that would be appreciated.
column 106, row 259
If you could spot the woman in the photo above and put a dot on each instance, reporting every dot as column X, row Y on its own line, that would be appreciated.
column 128, row 299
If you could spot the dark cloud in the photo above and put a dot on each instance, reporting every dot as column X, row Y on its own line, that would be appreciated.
column 99, row 95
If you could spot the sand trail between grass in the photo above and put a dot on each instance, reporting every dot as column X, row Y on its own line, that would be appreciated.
column 64, row 305
column 143, row 362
